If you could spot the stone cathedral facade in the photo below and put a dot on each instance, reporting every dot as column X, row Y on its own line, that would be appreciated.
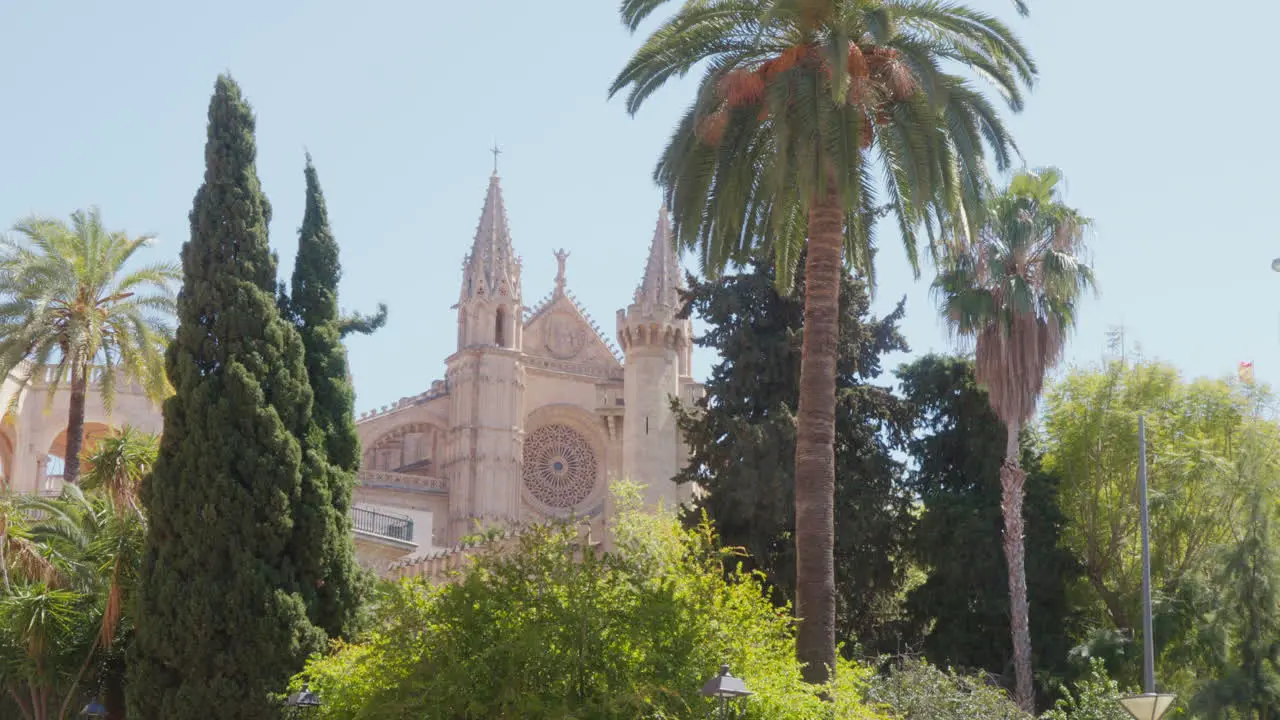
column 538, row 410
column 537, row 413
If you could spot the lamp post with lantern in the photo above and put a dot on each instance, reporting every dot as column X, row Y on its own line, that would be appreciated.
column 726, row 687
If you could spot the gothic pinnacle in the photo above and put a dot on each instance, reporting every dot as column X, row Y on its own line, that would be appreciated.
column 492, row 268
column 662, row 282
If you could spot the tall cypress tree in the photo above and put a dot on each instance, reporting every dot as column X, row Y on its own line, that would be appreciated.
column 333, row 449
column 221, row 621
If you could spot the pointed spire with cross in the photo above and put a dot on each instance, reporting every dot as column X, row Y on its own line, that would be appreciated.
column 496, row 152
column 492, row 267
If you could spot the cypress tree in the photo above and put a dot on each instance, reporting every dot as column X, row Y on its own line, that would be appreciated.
column 221, row 621
column 323, row 530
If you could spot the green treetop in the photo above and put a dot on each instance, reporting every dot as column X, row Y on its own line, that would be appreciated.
column 1245, row 681
column 323, row 514
column 221, row 621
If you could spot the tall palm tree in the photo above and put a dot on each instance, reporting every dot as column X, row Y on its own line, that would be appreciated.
column 1013, row 291
column 809, row 114
column 67, row 298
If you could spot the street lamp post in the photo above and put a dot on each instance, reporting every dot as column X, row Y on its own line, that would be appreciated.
column 1150, row 705
column 726, row 687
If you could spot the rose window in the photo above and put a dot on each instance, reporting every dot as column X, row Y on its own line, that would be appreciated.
column 559, row 466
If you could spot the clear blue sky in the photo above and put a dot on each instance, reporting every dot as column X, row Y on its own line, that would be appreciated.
column 1161, row 132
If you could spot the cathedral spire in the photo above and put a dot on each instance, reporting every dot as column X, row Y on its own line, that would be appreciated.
column 662, row 279
column 492, row 269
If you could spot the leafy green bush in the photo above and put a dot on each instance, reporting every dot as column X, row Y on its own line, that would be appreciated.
column 542, row 630
column 916, row 690
column 1094, row 698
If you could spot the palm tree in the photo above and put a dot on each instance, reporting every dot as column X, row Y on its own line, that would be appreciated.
column 66, row 297
column 1013, row 292
column 809, row 113
column 78, row 613
column 117, row 465
column 18, row 552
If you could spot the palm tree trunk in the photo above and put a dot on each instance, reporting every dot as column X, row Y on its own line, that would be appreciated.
column 815, row 441
column 1012, row 481
column 75, row 423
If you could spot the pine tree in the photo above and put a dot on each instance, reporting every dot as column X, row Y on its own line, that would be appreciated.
column 333, row 449
column 221, row 622
column 1247, row 682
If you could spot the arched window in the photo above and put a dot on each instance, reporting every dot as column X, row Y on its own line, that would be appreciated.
column 499, row 327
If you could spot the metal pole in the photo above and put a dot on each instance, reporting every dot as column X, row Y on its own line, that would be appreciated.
column 1148, row 642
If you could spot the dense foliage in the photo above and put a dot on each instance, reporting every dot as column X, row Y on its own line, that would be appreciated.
column 1094, row 697
column 322, row 512
column 962, row 606
column 741, row 440
column 916, row 690
column 70, row 569
column 1201, row 488
column 947, row 596
column 1246, row 667
column 544, row 628
column 222, row 612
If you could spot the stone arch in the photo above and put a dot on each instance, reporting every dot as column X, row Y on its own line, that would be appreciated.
column 55, row 456
column 569, row 425
column 414, row 448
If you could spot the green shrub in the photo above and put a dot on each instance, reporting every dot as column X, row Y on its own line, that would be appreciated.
column 535, row 632
column 916, row 690
column 1093, row 698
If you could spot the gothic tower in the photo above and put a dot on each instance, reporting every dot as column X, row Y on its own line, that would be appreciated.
column 658, row 352
column 486, row 380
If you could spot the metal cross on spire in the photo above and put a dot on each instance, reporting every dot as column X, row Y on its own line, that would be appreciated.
column 496, row 152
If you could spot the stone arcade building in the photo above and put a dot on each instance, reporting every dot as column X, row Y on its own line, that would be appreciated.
column 537, row 413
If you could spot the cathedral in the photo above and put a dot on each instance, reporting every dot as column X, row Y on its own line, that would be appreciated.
column 537, row 413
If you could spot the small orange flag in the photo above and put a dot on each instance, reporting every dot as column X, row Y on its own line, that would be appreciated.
column 1246, row 373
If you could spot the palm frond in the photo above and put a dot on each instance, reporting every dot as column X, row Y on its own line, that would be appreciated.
column 797, row 93
column 1013, row 292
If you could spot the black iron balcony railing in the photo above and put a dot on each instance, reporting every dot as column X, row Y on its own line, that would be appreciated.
column 389, row 525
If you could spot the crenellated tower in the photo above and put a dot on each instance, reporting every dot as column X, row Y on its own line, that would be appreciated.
column 486, row 379
column 658, row 353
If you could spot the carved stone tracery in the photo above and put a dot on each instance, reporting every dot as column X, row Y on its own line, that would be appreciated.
column 560, row 467
column 564, row 336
